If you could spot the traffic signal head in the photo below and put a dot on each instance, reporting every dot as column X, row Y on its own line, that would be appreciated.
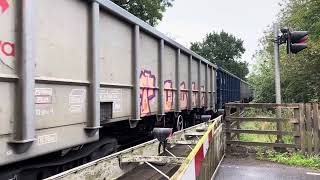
column 297, row 41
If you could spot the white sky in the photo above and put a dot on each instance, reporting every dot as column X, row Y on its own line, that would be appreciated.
column 189, row 20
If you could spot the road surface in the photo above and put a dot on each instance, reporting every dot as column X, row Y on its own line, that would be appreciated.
column 233, row 168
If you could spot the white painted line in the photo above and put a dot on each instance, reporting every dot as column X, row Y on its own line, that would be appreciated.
column 312, row 173
column 163, row 174
column 217, row 168
column 170, row 153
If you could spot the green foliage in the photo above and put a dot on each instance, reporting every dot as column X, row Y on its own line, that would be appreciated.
column 300, row 75
column 149, row 11
column 293, row 159
column 224, row 50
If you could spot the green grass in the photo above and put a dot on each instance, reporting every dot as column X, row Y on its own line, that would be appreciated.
column 264, row 126
column 262, row 137
column 292, row 159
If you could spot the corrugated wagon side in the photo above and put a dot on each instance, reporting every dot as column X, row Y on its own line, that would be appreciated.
column 228, row 87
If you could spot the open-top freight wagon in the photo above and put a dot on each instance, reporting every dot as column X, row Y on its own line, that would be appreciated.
column 77, row 74
column 231, row 88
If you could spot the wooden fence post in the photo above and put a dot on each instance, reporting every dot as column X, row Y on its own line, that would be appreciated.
column 316, row 127
column 238, row 122
column 228, row 133
column 297, row 139
column 302, row 128
column 309, row 128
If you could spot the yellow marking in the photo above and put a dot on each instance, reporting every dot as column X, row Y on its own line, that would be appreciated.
column 183, row 168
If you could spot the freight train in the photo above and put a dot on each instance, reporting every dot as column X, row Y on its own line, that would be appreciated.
column 81, row 78
column 231, row 88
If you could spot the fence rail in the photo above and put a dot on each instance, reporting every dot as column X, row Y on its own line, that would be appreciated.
column 304, row 119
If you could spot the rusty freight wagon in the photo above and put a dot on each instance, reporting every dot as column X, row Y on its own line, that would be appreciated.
column 78, row 75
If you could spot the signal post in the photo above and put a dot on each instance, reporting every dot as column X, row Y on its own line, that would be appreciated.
column 296, row 41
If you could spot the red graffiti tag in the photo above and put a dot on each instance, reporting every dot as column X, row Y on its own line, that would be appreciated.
column 168, row 87
column 4, row 5
column 7, row 48
column 147, row 91
column 183, row 95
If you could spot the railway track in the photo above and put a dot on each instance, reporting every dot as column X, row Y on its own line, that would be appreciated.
column 144, row 161
column 144, row 171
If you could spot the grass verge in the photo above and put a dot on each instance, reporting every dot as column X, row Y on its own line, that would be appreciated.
column 292, row 159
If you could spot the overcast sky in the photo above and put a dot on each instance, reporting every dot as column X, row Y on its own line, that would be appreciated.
column 189, row 20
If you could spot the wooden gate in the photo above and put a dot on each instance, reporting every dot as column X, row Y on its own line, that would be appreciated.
column 302, row 118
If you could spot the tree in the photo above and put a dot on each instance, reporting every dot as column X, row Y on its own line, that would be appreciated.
column 300, row 74
column 224, row 50
column 149, row 11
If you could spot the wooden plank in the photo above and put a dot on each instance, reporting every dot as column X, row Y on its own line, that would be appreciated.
column 294, row 120
column 318, row 117
column 228, row 134
column 262, row 105
column 233, row 135
column 233, row 114
column 261, row 119
column 238, row 123
column 302, row 128
column 245, row 143
column 296, row 127
column 252, row 131
column 316, row 127
column 233, row 124
column 309, row 127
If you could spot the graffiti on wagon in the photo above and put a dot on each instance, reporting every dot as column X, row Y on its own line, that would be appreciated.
column 4, row 5
column 183, row 95
column 7, row 53
column 147, row 91
column 7, row 48
column 168, row 91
